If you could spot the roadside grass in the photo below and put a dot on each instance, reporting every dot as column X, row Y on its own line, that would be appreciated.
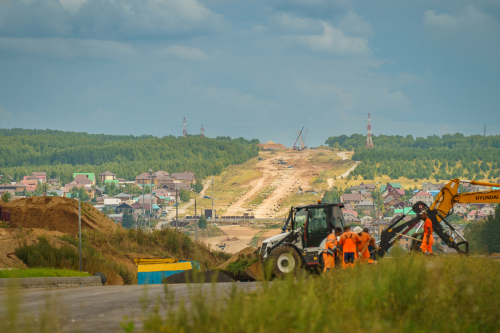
column 110, row 253
column 297, row 199
column 255, row 239
column 40, row 272
column 401, row 294
column 241, row 265
column 44, row 255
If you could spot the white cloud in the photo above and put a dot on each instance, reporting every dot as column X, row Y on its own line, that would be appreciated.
column 72, row 5
column 472, row 20
column 354, row 25
column 107, row 19
column 182, row 53
column 289, row 23
column 333, row 41
column 66, row 48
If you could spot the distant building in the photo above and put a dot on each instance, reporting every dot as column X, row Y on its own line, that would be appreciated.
column 90, row 176
column 423, row 196
column 107, row 177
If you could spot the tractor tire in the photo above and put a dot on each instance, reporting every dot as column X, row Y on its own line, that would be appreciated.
column 286, row 261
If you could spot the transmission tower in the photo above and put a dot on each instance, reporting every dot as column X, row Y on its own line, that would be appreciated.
column 369, row 142
column 184, row 132
column 202, row 131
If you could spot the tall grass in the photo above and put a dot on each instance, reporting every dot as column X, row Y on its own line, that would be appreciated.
column 44, row 255
column 407, row 294
column 40, row 272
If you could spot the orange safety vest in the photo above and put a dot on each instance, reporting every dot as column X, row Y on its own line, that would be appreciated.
column 348, row 241
column 365, row 238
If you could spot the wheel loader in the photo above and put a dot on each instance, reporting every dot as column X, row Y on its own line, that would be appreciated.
column 303, row 238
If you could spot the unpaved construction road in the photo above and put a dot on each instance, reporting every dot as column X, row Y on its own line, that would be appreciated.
column 102, row 309
column 284, row 181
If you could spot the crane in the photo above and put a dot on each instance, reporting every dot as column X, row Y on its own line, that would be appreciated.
column 295, row 144
column 440, row 209
column 303, row 140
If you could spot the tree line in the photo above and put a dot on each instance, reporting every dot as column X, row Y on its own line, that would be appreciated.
column 61, row 154
column 451, row 156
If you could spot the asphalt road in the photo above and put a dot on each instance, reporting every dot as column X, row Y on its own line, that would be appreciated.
column 102, row 309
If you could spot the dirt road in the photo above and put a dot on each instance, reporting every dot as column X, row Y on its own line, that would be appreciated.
column 102, row 309
column 344, row 156
column 235, row 237
column 256, row 186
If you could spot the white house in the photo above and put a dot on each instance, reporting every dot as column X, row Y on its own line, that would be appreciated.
column 423, row 196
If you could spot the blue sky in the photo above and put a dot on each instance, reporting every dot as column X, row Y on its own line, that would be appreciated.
column 257, row 69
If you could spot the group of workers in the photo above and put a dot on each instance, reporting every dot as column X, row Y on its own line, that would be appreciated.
column 348, row 246
column 357, row 246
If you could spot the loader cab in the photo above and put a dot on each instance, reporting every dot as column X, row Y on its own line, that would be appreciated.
column 317, row 222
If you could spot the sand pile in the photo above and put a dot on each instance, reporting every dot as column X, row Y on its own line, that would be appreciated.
column 56, row 214
column 248, row 252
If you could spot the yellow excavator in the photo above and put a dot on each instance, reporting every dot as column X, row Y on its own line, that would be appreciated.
column 440, row 209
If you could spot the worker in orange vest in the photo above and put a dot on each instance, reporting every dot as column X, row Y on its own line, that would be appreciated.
column 428, row 239
column 372, row 247
column 363, row 253
column 330, row 251
column 349, row 240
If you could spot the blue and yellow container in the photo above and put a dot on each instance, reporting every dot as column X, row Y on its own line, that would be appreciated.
column 153, row 271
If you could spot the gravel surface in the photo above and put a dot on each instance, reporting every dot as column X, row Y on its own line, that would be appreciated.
column 204, row 277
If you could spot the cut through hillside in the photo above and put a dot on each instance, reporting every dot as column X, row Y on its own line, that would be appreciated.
column 56, row 214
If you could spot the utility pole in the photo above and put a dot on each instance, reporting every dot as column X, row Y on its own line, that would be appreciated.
column 176, row 206
column 213, row 213
column 80, row 230
column 378, row 214
column 143, row 212
column 196, row 223
column 150, row 193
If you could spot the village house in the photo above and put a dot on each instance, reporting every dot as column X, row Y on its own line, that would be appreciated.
column 488, row 210
column 349, row 214
column 121, row 208
column 365, row 204
column 108, row 177
column 87, row 175
column 365, row 187
column 30, row 184
column 82, row 180
column 184, row 177
column 460, row 208
column 423, row 196
column 66, row 189
column 386, row 189
column 367, row 219
column 427, row 187
column 352, row 199
column 476, row 215
column 41, row 175
column 124, row 197
column 143, row 179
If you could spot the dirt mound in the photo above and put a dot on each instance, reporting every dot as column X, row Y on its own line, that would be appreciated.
column 56, row 214
column 190, row 276
column 246, row 252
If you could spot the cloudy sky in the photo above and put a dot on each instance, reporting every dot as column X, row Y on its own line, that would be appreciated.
column 258, row 69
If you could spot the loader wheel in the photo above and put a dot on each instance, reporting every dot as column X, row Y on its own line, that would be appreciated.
column 285, row 261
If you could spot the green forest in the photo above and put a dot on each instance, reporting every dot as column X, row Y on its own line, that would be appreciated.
column 60, row 154
column 441, row 158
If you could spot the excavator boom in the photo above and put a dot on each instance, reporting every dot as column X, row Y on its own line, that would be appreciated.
column 437, row 213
